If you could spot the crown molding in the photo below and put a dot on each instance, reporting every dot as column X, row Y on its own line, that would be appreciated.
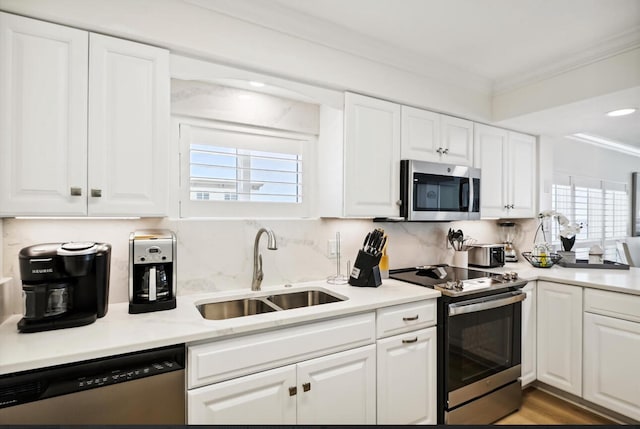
column 274, row 16
column 615, row 45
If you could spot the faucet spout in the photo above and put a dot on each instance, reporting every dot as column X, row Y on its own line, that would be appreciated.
column 257, row 257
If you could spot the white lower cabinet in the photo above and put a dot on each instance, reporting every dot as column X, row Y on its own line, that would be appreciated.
column 407, row 378
column 262, row 398
column 559, row 336
column 612, row 351
column 333, row 389
column 528, row 362
column 316, row 373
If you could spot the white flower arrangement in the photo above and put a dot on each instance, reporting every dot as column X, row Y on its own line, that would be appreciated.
column 567, row 229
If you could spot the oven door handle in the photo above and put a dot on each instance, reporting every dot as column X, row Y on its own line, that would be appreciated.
column 486, row 304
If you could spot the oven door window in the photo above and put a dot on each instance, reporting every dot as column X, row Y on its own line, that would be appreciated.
column 440, row 193
column 481, row 344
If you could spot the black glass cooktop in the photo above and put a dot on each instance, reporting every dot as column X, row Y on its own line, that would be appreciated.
column 431, row 275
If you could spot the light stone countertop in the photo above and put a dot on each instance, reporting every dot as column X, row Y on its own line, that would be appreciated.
column 120, row 332
column 624, row 281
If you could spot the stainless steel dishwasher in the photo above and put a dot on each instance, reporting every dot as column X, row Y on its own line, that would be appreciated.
column 136, row 388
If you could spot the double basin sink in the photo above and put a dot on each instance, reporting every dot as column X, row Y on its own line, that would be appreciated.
column 249, row 306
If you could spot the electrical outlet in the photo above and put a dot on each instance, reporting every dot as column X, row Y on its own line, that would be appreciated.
column 332, row 249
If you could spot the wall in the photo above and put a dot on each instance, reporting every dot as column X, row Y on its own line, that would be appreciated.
column 580, row 159
column 199, row 32
column 216, row 255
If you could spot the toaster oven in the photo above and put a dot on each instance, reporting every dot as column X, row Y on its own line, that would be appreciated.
column 486, row 255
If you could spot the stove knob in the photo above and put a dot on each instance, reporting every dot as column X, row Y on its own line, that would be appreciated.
column 459, row 285
column 506, row 276
column 514, row 275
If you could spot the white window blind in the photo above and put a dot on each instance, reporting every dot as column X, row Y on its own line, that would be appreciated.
column 254, row 171
column 600, row 206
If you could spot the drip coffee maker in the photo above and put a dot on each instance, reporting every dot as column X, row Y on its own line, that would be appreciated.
column 507, row 236
column 152, row 271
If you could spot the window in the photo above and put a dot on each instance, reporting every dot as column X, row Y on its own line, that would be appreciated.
column 232, row 170
column 600, row 206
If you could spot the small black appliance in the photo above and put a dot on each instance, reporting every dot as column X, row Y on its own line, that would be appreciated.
column 64, row 284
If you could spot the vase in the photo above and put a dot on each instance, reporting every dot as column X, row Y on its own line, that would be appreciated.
column 567, row 243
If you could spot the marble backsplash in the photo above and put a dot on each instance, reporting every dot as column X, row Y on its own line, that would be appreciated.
column 216, row 255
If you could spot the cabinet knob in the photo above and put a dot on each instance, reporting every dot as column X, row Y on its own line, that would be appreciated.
column 446, row 151
column 293, row 391
column 306, row 387
column 439, row 150
column 96, row 193
column 75, row 191
column 414, row 340
column 410, row 319
column 399, row 202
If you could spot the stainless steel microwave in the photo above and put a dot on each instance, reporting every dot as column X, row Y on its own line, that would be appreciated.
column 431, row 191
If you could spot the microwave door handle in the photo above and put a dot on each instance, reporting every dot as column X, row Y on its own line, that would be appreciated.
column 461, row 308
column 464, row 205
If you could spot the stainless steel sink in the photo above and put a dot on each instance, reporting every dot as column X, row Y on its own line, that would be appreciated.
column 235, row 308
column 265, row 304
column 306, row 298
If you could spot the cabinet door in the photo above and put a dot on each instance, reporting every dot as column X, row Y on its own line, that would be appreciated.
column 43, row 117
column 559, row 348
column 490, row 156
column 529, row 334
column 128, row 128
column 407, row 378
column 420, row 135
column 372, row 155
column 611, row 369
column 457, row 140
column 338, row 388
column 263, row 398
column 522, row 175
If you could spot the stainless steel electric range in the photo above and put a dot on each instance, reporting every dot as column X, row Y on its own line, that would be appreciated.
column 479, row 341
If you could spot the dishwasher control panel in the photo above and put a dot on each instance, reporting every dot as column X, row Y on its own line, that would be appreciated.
column 118, row 375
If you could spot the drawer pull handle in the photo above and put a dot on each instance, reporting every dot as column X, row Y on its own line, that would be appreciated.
column 410, row 319
column 415, row 340
column 96, row 193
column 293, row 391
column 76, row 191
column 306, row 387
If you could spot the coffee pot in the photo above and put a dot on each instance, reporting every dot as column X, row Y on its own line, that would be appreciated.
column 152, row 271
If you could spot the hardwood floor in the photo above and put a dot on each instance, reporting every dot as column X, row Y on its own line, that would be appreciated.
column 541, row 408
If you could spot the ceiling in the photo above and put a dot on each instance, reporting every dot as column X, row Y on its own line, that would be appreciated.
column 500, row 44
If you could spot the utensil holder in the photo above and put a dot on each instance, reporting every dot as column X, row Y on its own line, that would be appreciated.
column 460, row 259
column 366, row 271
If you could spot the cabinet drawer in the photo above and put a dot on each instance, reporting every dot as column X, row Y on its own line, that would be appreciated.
column 619, row 305
column 405, row 317
column 235, row 357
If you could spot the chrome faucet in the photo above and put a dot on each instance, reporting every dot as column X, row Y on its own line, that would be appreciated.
column 257, row 257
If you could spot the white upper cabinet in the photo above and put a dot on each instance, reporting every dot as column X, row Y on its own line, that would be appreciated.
column 128, row 127
column 43, row 117
column 457, row 140
column 429, row 136
column 371, row 157
column 83, row 122
column 508, row 164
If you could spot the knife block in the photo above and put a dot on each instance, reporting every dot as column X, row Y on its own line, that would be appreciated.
column 366, row 271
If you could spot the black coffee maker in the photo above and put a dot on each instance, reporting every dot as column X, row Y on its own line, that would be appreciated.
column 152, row 271
column 64, row 284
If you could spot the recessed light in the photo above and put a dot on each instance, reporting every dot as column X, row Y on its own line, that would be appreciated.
column 621, row 112
column 256, row 84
